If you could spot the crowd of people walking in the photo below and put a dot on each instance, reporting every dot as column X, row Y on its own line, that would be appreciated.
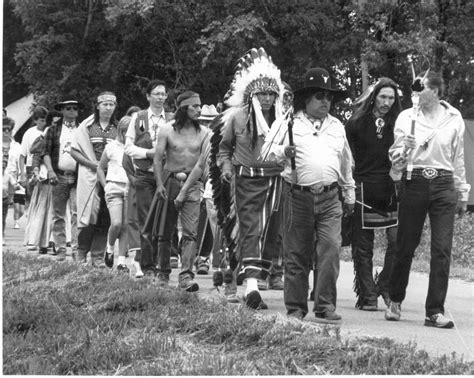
column 257, row 187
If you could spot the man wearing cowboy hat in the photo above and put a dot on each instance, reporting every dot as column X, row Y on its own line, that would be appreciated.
column 311, row 205
column 62, row 172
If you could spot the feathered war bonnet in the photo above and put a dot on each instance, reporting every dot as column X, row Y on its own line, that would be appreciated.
column 255, row 73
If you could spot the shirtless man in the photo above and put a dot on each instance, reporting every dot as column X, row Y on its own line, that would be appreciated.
column 182, row 140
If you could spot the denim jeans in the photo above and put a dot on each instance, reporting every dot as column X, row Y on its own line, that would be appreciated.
column 362, row 255
column 308, row 216
column 63, row 191
column 133, row 230
column 92, row 238
column 438, row 199
column 145, row 185
column 189, row 215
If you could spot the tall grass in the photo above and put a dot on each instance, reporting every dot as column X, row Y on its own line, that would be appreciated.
column 60, row 319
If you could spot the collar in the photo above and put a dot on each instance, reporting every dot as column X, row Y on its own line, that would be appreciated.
column 69, row 125
column 161, row 115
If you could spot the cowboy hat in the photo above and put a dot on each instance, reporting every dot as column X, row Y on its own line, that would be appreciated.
column 68, row 100
column 319, row 78
column 208, row 113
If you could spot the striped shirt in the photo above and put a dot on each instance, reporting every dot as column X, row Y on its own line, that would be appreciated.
column 100, row 137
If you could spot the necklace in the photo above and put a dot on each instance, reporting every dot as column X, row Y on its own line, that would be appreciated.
column 379, row 124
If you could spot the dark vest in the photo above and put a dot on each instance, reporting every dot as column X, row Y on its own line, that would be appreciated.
column 143, row 137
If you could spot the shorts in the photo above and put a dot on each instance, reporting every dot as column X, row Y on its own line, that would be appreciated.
column 19, row 198
column 115, row 193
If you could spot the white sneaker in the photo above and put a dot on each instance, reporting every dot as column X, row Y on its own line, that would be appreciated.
column 394, row 311
column 16, row 226
column 438, row 321
column 138, row 268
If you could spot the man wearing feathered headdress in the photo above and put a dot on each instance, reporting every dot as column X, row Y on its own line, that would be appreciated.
column 255, row 101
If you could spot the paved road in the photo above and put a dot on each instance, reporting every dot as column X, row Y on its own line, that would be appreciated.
column 356, row 323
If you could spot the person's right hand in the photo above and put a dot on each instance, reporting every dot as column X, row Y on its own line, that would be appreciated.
column 53, row 178
column 290, row 151
column 161, row 190
column 227, row 175
column 410, row 142
column 22, row 179
column 150, row 154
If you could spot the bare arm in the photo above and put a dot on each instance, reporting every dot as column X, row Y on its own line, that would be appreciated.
column 158, row 161
column 81, row 159
column 103, row 163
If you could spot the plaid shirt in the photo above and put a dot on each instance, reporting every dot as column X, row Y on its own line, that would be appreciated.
column 52, row 144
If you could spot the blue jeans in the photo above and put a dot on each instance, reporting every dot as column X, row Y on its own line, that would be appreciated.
column 63, row 191
column 307, row 215
column 438, row 199
column 145, row 185
column 189, row 222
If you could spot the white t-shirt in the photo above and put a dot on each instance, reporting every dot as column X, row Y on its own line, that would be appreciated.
column 28, row 138
column 66, row 162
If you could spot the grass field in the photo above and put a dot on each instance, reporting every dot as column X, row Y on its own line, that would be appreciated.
column 462, row 259
column 61, row 319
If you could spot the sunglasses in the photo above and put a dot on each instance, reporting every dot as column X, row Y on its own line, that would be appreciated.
column 324, row 94
column 7, row 129
column 71, row 108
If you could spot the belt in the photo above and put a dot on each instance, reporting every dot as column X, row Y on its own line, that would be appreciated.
column 312, row 189
column 430, row 173
column 65, row 173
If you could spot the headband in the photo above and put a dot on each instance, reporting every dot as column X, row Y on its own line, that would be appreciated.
column 193, row 100
column 106, row 97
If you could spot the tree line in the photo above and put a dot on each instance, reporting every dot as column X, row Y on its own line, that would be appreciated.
column 54, row 47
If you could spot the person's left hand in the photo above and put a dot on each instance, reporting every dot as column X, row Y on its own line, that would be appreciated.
column 461, row 208
column 348, row 209
column 178, row 202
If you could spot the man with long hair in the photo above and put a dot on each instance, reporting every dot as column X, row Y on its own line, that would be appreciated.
column 370, row 134
column 255, row 101
column 88, row 144
column 183, row 141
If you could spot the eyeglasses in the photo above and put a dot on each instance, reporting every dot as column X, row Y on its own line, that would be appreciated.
column 324, row 94
column 159, row 94
column 70, row 108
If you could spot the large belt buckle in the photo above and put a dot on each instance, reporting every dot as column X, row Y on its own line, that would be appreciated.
column 429, row 173
column 316, row 189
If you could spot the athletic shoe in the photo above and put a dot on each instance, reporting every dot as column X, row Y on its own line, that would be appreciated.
column 369, row 308
column 138, row 270
column 174, row 262
column 122, row 268
column 61, row 255
column 275, row 283
column 186, row 283
column 394, row 311
column 328, row 315
column 16, row 226
column 262, row 284
column 109, row 259
column 438, row 321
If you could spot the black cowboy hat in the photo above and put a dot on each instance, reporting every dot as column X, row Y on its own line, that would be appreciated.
column 68, row 100
column 319, row 78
